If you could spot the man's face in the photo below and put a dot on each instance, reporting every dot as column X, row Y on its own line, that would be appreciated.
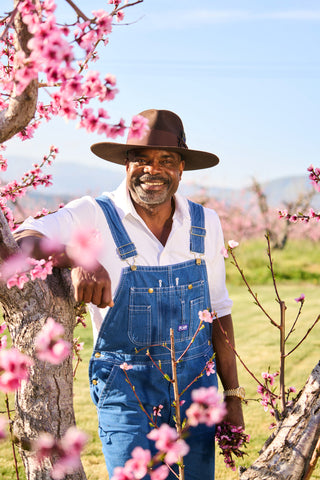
column 153, row 176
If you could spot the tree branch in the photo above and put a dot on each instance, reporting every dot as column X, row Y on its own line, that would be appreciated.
column 21, row 108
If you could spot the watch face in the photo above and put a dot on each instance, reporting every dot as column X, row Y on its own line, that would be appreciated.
column 242, row 392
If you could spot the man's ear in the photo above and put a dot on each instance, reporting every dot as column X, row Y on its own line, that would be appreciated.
column 182, row 164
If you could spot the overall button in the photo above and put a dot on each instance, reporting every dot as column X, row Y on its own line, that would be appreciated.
column 97, row 354
column 94, row 381
column 198, row 261
column 190, row 286
column 150, row 290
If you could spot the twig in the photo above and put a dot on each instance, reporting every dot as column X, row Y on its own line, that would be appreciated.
column 193, row 381
column 78, row 11
column 251, row 292
column 191, row 341
column 313, row 462
column 303, row 339
column 177, row 398
column 79, row 359
column 126, row 6
column 271, row 269
column 139, row 401
column 11, row 18
column 159, row 368
column 11, row 435
column 295, row 322
column 242, row 362
column 282, row 353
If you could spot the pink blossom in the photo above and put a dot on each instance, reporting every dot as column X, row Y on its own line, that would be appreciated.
column 40, row 268
column 208, row 407
column 51, row 245
column 260, row 388
column 292, row 389
column 50, row 346
column 77, row 346
column 167, row 441
column 230, row 439
column 224, row 252
column 269, row 377
column 3, row 427
column 160, row 473
column 73, row 441
column 3, row 326
column 110, row 79
column 210, row 368
column 157, row 410
column 122, row 473
column 67, row 449
column 125, row 366
column 139, row 126
column 301, row 298
column 84, row 248
column 15, row 366
column 233, row 243
column 3, row 342
column 14, row 264
column 138, row 464
column 44, row 446
column 120, row 16
column 205, row 316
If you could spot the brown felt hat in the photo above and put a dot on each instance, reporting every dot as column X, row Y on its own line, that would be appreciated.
column 165, row 133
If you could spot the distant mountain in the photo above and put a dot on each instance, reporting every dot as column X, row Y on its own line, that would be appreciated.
column 71, row 181
column 279, row 192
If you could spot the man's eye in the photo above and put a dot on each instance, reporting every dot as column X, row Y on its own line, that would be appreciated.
column 141, row 161
column 167, row 162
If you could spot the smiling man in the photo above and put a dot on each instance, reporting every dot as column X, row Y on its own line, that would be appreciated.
column 161, row 264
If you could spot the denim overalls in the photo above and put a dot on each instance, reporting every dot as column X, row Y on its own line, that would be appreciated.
column 149, row 301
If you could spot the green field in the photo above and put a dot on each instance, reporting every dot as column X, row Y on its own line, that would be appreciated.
column 257, row 344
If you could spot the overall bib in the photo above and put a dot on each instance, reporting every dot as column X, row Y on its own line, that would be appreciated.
column 148, row 302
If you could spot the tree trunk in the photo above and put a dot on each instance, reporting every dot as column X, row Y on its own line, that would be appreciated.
column 287, row 453
column 21, row 109
column 45, row 402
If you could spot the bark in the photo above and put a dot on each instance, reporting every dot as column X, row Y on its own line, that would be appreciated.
column 21, row 108
column 45, row 402
column 287, row 454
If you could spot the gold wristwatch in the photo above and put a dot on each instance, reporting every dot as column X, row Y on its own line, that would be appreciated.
column 235, row 392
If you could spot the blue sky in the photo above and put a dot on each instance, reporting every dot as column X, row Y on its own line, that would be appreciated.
column 243, row 75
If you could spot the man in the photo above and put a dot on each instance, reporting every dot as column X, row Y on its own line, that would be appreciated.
column 160, row 265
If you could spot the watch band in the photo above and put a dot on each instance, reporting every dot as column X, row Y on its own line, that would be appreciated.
column 235, row 392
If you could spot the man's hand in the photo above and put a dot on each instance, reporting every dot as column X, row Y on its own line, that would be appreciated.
column 94, row 287
column 234, row 411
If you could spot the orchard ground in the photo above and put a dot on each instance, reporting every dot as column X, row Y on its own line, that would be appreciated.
column 257, row 344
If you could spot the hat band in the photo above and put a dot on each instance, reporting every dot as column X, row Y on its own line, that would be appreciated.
column 159, row 138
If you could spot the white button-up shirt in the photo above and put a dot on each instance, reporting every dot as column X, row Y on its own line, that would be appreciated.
column 85, row 213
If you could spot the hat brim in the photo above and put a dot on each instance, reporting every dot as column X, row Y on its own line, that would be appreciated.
column 117, row 153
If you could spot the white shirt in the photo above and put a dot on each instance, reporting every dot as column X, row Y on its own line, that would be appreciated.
column 86, row 213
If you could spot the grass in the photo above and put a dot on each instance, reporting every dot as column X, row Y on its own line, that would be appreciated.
column 295, row 263
column 257, row 344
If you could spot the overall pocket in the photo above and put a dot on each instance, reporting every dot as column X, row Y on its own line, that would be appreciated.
column 102, row 373
column 154, row 311
column 139, row 326
column 190, row 299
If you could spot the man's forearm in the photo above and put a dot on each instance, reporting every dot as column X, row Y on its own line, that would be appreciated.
column 32, row 243
column 225, row 357
column 227, row 366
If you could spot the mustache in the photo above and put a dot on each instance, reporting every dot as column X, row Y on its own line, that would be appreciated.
column 151, row 178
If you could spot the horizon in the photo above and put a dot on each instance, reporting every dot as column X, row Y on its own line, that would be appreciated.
column 242, row 75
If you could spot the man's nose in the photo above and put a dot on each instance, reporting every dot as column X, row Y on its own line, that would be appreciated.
column 153, row 168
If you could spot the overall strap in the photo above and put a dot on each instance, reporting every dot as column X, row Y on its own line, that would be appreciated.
column 125, row 247
column 197, row 232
